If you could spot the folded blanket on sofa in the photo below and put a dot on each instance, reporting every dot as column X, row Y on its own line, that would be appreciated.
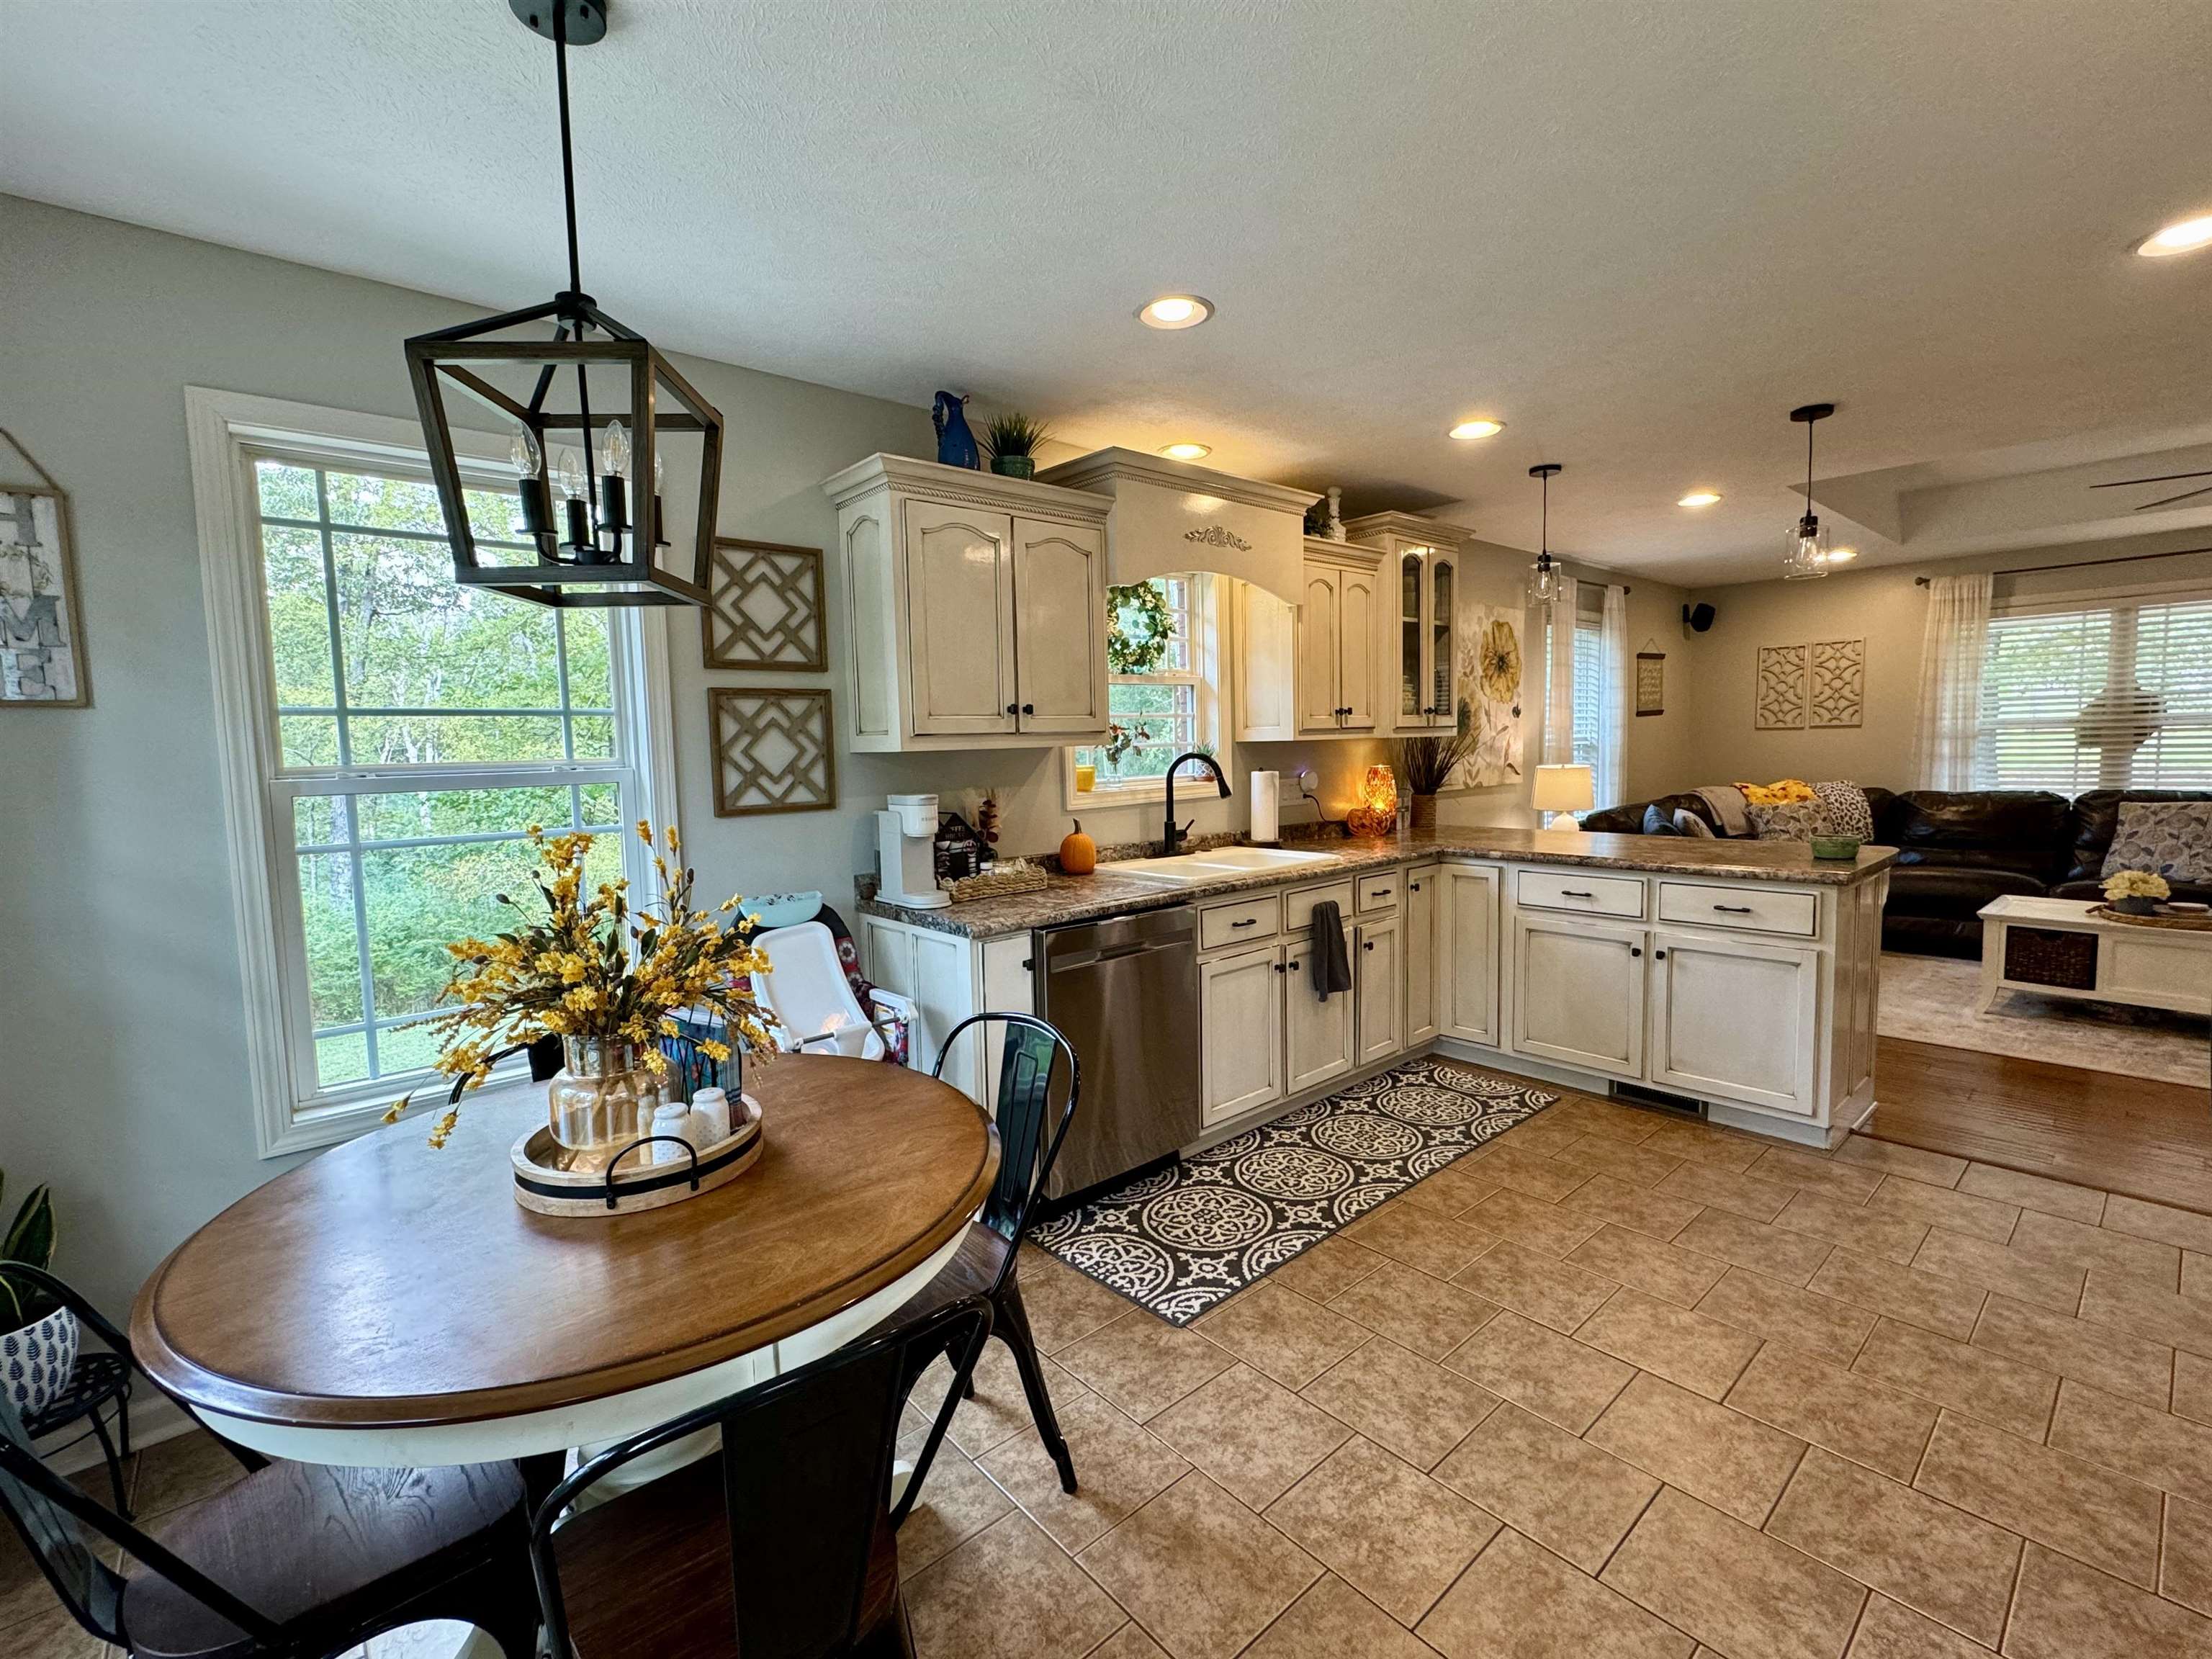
column 1727, row 802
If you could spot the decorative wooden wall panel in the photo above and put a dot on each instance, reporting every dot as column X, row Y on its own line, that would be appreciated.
column 1837, row 687
column 764, row 609
column 1780, row 693
column 1651, row 682
column 773, row 749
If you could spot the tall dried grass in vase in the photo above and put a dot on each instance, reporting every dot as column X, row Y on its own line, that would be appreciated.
column 1424, row 766
column 607, row 981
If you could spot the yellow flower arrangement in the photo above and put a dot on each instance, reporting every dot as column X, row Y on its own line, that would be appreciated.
column 594, row 968
column 2136, row 884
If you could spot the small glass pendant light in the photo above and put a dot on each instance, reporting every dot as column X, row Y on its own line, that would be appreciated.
column 1544, row 581
column 1806, row 554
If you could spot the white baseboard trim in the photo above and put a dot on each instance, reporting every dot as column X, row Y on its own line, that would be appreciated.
column 154, row 1417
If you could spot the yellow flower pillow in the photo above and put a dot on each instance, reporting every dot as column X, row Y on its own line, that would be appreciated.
column 1786, row 792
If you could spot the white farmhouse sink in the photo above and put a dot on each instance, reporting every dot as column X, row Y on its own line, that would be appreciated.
column 1187, row 868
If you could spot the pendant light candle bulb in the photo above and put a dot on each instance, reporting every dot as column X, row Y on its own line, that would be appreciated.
column 615, row 449
column 569, row 473
column 524, row 456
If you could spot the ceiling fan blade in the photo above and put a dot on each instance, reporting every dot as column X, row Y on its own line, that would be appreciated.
column 2185, row 496
column 2163, row 478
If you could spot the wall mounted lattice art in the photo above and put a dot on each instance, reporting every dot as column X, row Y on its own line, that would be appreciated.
column 1836, row 693
column 1779, row 704
column 773, row 750
column 1651, row 682
column 764, row 607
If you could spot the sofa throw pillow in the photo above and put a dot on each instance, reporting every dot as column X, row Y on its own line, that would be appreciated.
column 1848, row 811
column 2170, row 838
column 1783, row 792
column 1835, row 808
column 1657, row 821
column 1687, row 822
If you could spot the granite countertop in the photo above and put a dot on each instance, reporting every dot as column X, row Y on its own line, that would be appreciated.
column 1105, row 893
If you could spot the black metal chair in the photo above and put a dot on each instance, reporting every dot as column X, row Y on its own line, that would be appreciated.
column 1030, row 1130
column 295, row 1561
column 783, row 1545
column 98, row 1381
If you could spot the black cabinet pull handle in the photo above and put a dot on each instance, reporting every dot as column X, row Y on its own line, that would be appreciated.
column 1249, row 921
column 1734, row 909
column 1576, row 892
column 1029, row 708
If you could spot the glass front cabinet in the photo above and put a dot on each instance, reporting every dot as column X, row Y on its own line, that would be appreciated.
column 1425, row 556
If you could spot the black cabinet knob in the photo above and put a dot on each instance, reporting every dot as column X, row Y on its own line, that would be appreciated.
column 1636, row 950
column 1012, row 709
column 1294, row 967
column 1367, row 944
column 1417, row 886
column 1278, row 967
column 1658, row 956
column 1029, row 708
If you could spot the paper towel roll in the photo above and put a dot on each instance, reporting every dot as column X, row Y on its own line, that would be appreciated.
column 1267, row 806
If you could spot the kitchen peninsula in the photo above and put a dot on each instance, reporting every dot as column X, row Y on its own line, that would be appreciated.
column 1738, row 977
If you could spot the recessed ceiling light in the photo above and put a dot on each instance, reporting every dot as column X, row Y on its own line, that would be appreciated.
column 1175, row 311
column 1842, row 555
column 2182, row 236
column 1484, row 428
column 1700, row 498
column 1186, row 451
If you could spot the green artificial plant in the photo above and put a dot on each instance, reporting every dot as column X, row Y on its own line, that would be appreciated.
column 30, row 1240
column 1014, row 434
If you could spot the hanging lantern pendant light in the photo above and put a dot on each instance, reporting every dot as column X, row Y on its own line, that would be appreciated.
column 594, row 535
column 1544, row 582
column 1807, row 554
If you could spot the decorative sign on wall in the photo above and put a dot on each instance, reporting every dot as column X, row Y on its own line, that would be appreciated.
column 1651, row 682
column 1489, row 696
column 764, row 607
column 1780, row 693
column 1819, row 686
column 773, row 750
column 1836, row 694
column 42, row 662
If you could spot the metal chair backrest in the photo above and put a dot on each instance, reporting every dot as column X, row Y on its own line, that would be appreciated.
column 806, row 1471
column 58, row 1522
column 1030, row 1128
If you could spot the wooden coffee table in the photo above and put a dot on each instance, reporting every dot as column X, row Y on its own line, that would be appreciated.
column 2092, row 957
column 386, row 1304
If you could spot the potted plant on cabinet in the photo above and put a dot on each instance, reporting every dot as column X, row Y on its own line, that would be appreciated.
column 1013, row 441
column 1424, row 766
column 37, row 1335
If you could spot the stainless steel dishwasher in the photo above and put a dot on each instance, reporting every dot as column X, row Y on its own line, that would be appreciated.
column 1125, row 993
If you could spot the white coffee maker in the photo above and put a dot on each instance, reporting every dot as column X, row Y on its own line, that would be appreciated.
column 906, row 854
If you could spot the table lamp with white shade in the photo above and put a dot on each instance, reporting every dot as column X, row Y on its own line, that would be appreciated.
column 1561, row 791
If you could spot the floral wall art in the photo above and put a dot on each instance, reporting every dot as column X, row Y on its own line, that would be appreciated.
column 1489, row 696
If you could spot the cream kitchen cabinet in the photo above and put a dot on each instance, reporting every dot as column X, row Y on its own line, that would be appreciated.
column 1421, row 566
column 1420, row 954
column 1735, row 1019
column 1241, row 1031
column 1466, row 953
column 1578, row 992
column 1378, row 983
column 1320, row 1040
column 1313, row 669
column 974, row 608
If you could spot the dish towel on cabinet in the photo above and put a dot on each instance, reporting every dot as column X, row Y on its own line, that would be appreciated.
column 1332, row 962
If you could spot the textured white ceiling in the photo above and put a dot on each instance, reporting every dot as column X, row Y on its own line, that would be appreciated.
column 1637, row 230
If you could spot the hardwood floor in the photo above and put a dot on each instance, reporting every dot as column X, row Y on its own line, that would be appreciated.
column 2147, row 1140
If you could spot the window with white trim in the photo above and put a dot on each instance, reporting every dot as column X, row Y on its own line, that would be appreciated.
column 2116, row 693
column 1157, row 715
column 401, row 734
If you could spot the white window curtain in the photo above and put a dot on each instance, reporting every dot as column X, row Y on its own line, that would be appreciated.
column 1613, row 736
column 1559, row 676
column 1952, row 654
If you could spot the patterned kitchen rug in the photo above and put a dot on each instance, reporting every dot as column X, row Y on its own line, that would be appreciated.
column 1181, row 1239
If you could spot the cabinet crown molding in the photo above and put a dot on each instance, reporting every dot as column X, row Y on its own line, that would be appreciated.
column 1408, row 527
column 962, row 484
column 1105, row 465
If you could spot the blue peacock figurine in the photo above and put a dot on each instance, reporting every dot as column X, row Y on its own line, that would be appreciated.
column 956, row 444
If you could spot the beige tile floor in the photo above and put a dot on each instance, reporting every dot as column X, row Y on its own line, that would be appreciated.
column 1616, row 1385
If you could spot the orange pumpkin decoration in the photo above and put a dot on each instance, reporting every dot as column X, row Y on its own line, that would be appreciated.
column 1079, row 853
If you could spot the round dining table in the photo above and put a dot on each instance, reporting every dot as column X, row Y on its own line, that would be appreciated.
column 390, row 1304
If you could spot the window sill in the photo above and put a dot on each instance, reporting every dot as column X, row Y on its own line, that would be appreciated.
column 326, row 1119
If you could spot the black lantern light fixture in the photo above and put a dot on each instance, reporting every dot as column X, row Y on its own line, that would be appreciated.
column 607, row 437
column 1806, row 553
column 1545, row 580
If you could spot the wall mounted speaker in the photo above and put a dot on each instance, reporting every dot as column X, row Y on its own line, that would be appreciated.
column 1696, row 618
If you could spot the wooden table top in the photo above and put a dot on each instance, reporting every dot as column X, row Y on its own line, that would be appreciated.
column 384, row 1283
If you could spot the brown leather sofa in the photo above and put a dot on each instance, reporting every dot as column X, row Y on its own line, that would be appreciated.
column 1958, row 850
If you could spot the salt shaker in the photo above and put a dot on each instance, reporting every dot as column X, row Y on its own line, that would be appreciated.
column 673, row 1119
column 711, row 1106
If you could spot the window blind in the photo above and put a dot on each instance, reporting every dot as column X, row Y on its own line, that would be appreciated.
column 2106, row 695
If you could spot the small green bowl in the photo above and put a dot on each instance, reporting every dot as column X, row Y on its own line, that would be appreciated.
column 1836, row 847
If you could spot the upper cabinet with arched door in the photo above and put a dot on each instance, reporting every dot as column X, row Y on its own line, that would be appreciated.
column 1425, row 556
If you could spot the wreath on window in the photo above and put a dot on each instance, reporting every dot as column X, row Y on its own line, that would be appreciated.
column 1138, row 628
